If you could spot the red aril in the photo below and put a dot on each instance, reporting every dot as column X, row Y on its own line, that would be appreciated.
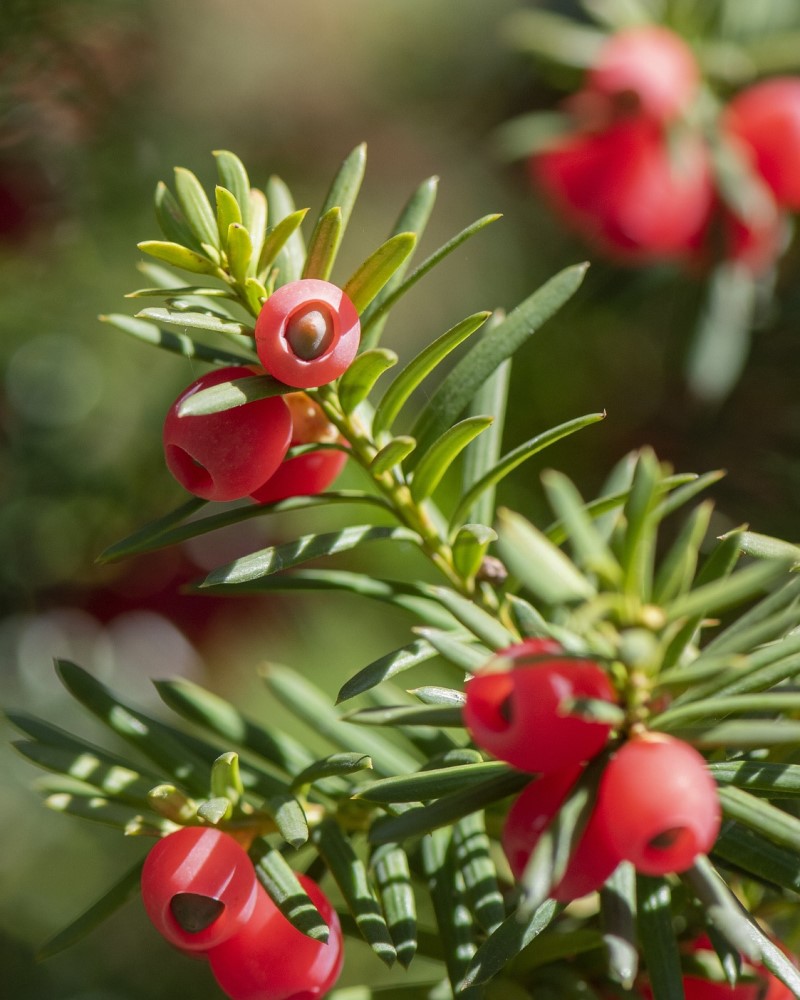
column 226, row 455
column 533, row 810
column 269, row 959
column 658, row 804
column 766, row 119
column 314, row 471
column 198, row 887
column 647, row 71
column 307, row 333
column 517, row 713
column 629, row 191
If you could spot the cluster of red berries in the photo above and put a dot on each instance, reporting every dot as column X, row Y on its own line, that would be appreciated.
column 201, row 893
column 307, row 334
column 656, row 803
column 644, row 179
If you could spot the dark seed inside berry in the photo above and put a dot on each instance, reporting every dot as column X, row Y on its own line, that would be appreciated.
column 309, row 332
column 194, row 912
column 506, row 710
column 627, row 102
column 666, row 839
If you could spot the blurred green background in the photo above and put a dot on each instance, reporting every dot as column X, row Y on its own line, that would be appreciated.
column 98, row 100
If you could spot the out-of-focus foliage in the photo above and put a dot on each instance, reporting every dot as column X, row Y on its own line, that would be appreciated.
column 734, row 258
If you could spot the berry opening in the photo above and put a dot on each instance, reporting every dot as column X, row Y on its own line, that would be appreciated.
column 678, row 846
column 491, row 701
column 194, row 912
column 309, row 331
column 666, row 839
column 193, row 475
column 627, row 102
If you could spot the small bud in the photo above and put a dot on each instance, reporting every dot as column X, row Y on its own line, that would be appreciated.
column 171, row 803
column 638, row 649
column 492, row 571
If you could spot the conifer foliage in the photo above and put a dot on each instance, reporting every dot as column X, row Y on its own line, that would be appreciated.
column 620, row 719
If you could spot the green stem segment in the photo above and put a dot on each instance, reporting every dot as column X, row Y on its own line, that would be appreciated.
column 392, row 485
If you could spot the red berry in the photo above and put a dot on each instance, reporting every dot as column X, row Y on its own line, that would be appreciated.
column 226, row 455
column 664, row 199
column 658, row 804
column 573, row 171
column 515, row 714
column 648, row 71
column 766, row 118
column 628, row 191
column 594, row 858
column 269, row 959
column 198, row 887
column 305, row 475
column 307, row 333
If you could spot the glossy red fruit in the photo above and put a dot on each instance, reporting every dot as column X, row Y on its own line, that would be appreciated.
column 629, row 192
column 307, row 333
column 647, row 71
column 309, row 474
column 199, row 887
column 658, row 804
column 534, row 808
column 766, row 119
column 270, row 960
column 226, row 455
column 515, row 712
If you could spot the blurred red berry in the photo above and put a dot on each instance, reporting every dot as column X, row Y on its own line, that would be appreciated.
column 646, row 71
column 628, row 190
column 766, row 118
column 516, row 714
column 269, row 959
column 313, row 472
column 533, row 810
column 658, row 804
column 198, row 887
column 307, row 333
column 229, row 454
